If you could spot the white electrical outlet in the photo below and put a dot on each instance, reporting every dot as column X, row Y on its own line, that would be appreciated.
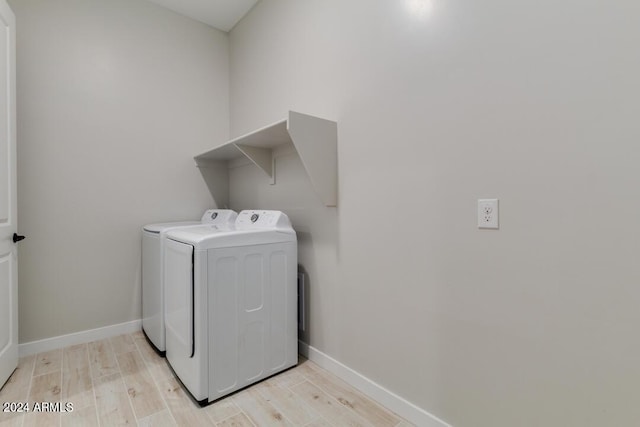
column 488, row 213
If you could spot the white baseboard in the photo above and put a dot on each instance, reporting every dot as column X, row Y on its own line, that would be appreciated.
column 390, row 400
column 34, row 347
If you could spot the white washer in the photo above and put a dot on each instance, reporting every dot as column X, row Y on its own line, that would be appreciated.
column 231, row 315
column 152, row 289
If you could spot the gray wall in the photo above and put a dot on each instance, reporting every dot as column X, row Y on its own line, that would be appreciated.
column 532, row 102
column 114, row 99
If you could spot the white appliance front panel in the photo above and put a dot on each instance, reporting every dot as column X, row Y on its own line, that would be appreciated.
column 186, row 316
column 223, row 303
column 252, row 301
column 178, row 280
column 152, row 292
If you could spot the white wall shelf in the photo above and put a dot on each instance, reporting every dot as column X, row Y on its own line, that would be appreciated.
column 314, row 139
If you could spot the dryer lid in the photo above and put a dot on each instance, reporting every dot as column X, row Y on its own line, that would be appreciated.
column 222, row 217
column 158, row 228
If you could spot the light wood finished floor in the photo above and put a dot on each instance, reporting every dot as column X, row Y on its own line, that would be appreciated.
column 122, row 381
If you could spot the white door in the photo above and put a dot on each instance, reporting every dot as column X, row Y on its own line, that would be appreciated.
column 8, row 211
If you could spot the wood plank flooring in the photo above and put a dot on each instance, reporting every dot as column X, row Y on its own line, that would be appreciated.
column 121, row 381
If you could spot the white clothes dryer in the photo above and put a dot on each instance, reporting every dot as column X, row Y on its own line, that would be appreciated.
column 152, row 288
column 231, row 315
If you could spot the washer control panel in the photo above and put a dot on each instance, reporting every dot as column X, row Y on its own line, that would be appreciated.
column 254, row 219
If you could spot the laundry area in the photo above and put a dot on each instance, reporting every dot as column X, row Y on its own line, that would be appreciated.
column 319, row 213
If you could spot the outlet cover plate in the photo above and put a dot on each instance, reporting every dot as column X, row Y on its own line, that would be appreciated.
column 488, row 213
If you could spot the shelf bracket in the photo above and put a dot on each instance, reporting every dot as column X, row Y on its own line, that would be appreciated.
column 261, row 157
column 273, row 170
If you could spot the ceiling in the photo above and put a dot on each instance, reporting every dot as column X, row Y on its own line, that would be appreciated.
column 221, row 14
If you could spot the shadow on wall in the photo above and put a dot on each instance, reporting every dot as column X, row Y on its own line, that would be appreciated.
column 317, row 231
column 216, row 176
column 304, row 307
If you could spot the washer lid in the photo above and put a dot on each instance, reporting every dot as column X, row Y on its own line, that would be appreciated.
column 158, row 228
column 209, row 237
column 222, row 217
